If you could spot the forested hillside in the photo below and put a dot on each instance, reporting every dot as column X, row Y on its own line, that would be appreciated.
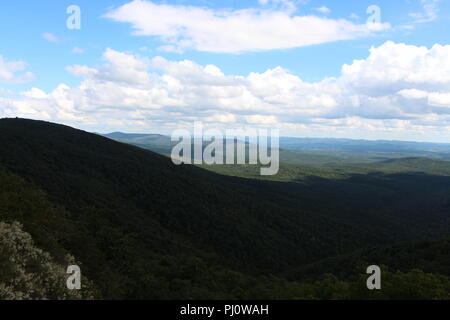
column 142, row 227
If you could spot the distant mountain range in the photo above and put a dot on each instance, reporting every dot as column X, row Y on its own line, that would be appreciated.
column 323, row 150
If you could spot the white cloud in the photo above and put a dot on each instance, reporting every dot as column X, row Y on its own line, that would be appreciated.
column 395, row 66
column 397, row 88
column 323, row 9
column 50, row 37
column 119, row 67
column 12, row 72
column 35, row 93
column 430, row 10
column 435, row 99
column 234, row 31
column 439, row 99
column 413, row 94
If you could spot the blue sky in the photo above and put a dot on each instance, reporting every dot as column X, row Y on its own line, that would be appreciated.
column 35, row 36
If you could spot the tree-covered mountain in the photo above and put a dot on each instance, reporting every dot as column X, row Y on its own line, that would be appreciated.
column 142, row 227
column 432, row 256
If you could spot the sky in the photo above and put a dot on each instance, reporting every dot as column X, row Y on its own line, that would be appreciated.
column 353, row 69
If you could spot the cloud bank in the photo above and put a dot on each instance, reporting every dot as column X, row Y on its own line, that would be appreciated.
column 397, row 88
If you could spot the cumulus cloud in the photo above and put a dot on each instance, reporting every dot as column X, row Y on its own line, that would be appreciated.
column 119, row 67
column 234, row 31
column 12, row 72
column 397, row 88
column 399, row 66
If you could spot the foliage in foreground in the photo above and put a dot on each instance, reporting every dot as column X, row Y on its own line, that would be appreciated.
column 27, row 272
